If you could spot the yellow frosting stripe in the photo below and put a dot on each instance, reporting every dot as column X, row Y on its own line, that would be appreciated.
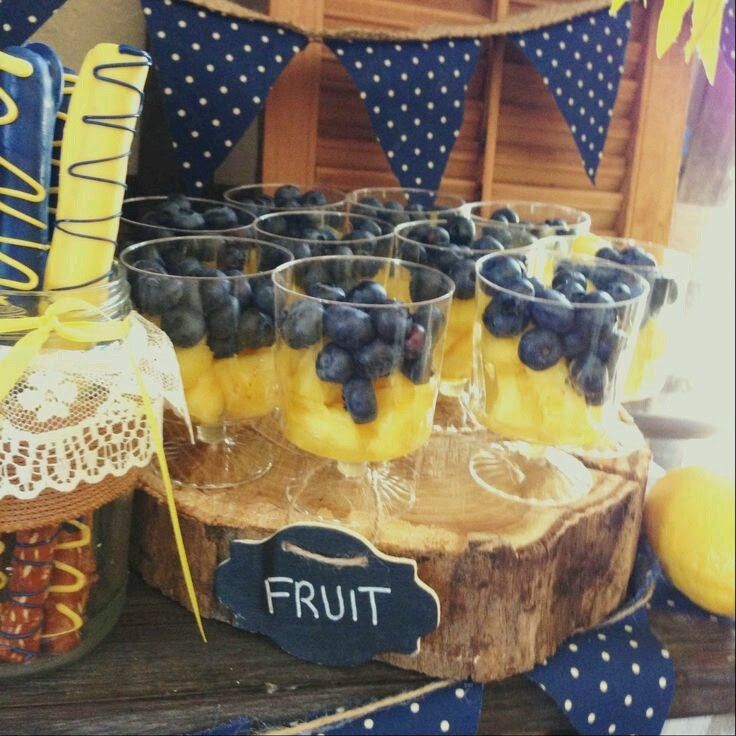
column 74, row 618
column 98, row 134
column 84, row 538
column 80, row 579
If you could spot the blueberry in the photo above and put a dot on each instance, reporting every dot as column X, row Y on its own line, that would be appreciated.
column 185, row 327
column 555, row 222
column 554, row 313
column 157, row 294
column 152, row 265
column 619, row 291
column 214, row 288
column 299, row 248
column 370, row 203
column 416, row 339
column 334, row 364
column 255, row 330
column 349, row 327
column 367, row 292
column 313, row 198
column 658, row 295
column 463, row 274
column 419, row 233
column 377, row 359
column 502, row 270
column 232, row 258
column 263, row 296
column 540, row 349
column 609, row 345
column 461, row 229
column 418, row 370
column 524, row 238
column 223, row 347
column 187, row 267
column 437, row 236
column 364, row 226
column 179, row 201
column 390, row 323
column 487, row 243
column 564, row 275
column 607, row 253
column 635, row 256
column 572, row 290
column 222, row 322
column 590, row 377
column 187, row 221
column 505, row 316
column 301, row 324
column 603, row 276
column 276, row 225
column 220, row 218
column 412, row 252
column 360, row 400
column 431, row 318
column 499, row 233
column 426, row 284
column 240, row 287
column 597, row 317
column 505, row 214
column 537, row 285
column 286, row 194
column 574, row 343
column 320, row 290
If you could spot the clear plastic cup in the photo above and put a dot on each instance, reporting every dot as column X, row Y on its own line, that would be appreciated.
column 550, row 363
column 213, row 297
column 359, row 369
column 397, row 205
column 263, row 199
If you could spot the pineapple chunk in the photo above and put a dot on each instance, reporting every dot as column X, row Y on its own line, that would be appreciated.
column 206, row 401
column 194, row 362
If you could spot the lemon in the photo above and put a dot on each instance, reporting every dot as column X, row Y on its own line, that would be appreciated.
column 689, row 519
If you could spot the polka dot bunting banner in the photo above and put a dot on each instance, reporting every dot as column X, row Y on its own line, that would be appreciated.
column 215, row 73
column 582, row 61
column 728, row 33
column 415, row 96
column 20, row 19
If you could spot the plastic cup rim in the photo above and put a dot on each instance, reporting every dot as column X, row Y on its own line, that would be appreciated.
column 583, row 218
column 240, row 187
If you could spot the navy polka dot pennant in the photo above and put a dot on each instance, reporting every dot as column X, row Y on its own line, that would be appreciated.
column 215, row 72
column 582, row 61
column 415, row 96
column 728, row 33
column 20, row 19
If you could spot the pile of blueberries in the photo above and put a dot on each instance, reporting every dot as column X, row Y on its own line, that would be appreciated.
column 361, row 344
column 218, row 301
column 286, row 197
column 525, row 232
column 390, row 214
column 662, row 290
column 304, row 235
column 589, row 339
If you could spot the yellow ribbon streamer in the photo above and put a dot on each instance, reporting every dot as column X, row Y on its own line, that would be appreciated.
column 57, row 320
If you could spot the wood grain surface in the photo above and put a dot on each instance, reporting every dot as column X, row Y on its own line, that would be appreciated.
column 153, row 675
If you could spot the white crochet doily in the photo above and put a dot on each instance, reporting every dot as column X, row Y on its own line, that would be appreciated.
column 76, row 415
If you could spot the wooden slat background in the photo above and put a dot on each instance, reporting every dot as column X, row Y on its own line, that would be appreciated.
column 514, row 142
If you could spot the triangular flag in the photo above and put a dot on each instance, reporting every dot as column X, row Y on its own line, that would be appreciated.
column 215, row 73
column 582, row 62
column 20, row 19
column 414, row 92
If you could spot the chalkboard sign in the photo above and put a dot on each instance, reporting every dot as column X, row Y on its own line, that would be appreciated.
column 326, row 595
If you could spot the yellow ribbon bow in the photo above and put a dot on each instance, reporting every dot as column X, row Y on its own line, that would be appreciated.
column 38, row 330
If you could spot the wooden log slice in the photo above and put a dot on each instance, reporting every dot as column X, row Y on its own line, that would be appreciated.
column 511, row 586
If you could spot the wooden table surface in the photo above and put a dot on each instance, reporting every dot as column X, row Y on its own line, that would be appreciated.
column 153, row 675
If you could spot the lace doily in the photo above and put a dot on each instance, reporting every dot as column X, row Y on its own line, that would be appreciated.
column 76, row 415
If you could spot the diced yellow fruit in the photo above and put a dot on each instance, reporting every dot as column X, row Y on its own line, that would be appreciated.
column 588, row 244
column 248, row 383
column 458, row 357
column 194, row 362
column 205, row 401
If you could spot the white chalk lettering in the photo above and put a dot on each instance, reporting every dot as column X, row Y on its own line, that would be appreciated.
column 307, row 600
column 340, row 601
column 372, row 590
column 270, row 595
column 353, row 605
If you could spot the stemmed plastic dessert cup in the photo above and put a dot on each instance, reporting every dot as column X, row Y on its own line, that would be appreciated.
column 358, row 357
column 155, row 217
column 263, row 199
column 516, row 224
column 213, row 296
column 668, row 273
column 553, row 342
column 397, row 205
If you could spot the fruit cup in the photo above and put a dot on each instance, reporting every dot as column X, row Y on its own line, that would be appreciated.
column 213, row 297
column 551, row 351
column 397, row 205
column 151, row 218
column 308, row 233
column 518, row 224
column 668, row 273
column 358, row 364
column 263, row 199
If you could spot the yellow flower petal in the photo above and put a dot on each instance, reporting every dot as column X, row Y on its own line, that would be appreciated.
column 706, row 34
column 616, row 5
column 670, row 23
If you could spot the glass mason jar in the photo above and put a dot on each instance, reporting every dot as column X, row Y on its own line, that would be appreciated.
column 263, row 199
column 63, row 571
column 517, row 224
